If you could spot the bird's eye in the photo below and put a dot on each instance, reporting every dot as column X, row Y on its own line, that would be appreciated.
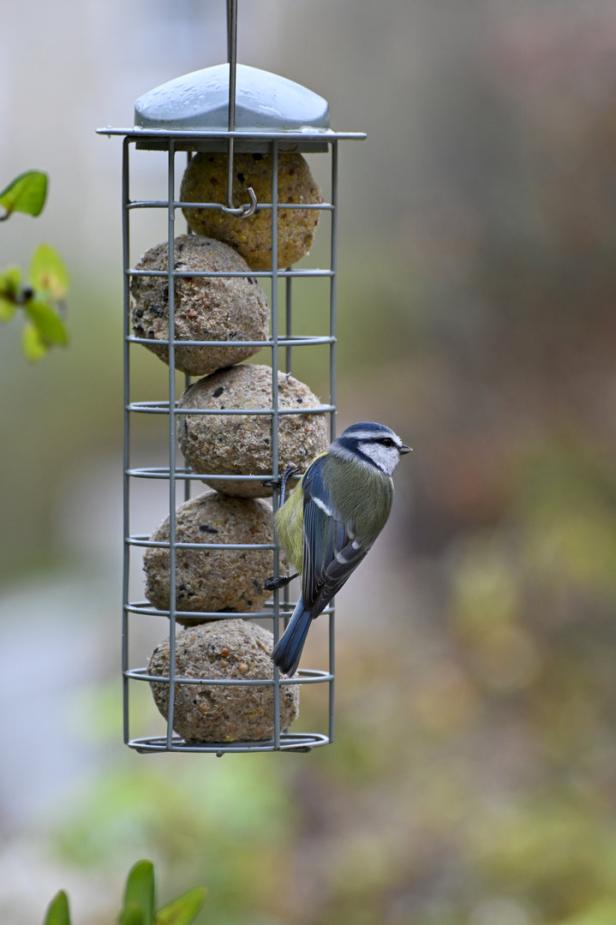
column 387, row 441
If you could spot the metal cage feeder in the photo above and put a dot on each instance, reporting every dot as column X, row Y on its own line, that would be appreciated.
column 232, row 109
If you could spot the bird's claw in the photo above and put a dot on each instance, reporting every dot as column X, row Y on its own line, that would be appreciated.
column 275, row 584
column 290, row 471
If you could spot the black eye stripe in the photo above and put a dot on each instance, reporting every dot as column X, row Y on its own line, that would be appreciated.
column 384, row 441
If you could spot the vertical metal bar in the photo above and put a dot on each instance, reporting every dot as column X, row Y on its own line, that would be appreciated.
column 171, row 435
column 126, row 444
column 288, row 309
column 187, row 378
column 189, row 157
column 288, row 320
column 187, row 482
column 232, row 57
column 332, row 289
column 332, row 400
column 275, row 424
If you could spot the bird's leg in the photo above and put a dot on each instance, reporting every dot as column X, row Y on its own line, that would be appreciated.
column 288, row 473
column 275, row 584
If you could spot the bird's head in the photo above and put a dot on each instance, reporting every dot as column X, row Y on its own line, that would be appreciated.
column 371, row 444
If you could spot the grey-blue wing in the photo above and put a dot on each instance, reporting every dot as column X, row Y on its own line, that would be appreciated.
column 331, row 552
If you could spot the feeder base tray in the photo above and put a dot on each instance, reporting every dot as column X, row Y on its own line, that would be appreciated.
column 289, row 742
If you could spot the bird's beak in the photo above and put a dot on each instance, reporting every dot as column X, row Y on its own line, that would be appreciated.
column 403, row 449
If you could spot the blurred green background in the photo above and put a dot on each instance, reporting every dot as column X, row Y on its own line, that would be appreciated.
column 474, row 775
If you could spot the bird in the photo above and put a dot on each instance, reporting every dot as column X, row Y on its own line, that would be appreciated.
column 330, row 520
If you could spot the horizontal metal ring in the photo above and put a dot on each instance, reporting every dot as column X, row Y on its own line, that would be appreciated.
column 156, row 472
column 180, row 204
column 231, row 274
column 144, row 608
column 208, row 615
column 144, row 540
column 162, row 407
column 306, row 676
column 289, row 742
column 308, row 341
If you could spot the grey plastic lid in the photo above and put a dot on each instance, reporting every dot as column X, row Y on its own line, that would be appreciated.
column 264, row 101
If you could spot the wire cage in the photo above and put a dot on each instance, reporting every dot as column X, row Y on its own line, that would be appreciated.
column 175, row 138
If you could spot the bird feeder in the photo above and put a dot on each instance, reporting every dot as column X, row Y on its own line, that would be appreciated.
column 238, row 135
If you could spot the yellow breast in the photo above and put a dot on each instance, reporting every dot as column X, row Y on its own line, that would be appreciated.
column 289, row 521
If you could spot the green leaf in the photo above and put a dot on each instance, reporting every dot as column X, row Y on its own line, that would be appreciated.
column 58, row 912
column 48, row 323
column 139, row 891
column 183, row 910
column 48, row 272
column 9, row 282
column 26, row 193
column 34, row 348
column 7, row 309
column 131, row 915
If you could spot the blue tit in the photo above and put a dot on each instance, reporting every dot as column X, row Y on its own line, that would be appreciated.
column 330, row 521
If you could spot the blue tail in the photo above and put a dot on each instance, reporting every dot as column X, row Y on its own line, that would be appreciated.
column 288, row 650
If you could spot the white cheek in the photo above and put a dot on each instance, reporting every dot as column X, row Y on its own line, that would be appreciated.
column 385, row 457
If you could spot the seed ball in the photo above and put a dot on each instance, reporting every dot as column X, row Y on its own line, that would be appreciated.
column 213, row 308
column 241, row 444
column 213, row 580
column 217, row 713
column 205, row 180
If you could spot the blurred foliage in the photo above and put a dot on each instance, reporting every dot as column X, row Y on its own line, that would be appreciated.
column 139, row 906
column 41, row 298
column 58, row 911
column 26, row 193
column 214, row 826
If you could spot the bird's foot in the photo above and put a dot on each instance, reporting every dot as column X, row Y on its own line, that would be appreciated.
column 275, row 584
column 288, row 473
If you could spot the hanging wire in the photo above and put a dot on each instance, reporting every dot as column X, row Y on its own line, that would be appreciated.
column 248, row 208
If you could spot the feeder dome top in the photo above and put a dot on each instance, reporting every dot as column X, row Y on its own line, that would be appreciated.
column 263, row 101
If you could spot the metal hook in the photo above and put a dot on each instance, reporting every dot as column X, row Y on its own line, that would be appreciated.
column 249, row 208
column 245, row 211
